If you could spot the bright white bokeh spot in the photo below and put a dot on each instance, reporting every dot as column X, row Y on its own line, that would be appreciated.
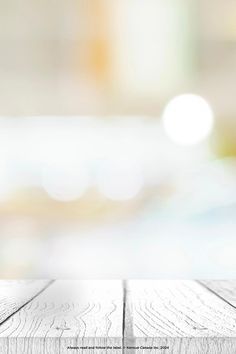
column 188, row 119
column 65, row 183
column 120, row 181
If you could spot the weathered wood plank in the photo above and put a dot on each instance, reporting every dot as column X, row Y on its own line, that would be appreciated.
column 182, row 316
column 67, row 314
column 226, row 289
column 179, row 316
column 15, row 293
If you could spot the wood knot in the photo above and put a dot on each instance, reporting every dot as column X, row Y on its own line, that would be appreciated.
column 62, row 328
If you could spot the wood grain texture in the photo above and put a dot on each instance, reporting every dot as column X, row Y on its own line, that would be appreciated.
column 181, row 315
column 226, row 289
column 67, row 314
column 15, row 293
column 190, row 317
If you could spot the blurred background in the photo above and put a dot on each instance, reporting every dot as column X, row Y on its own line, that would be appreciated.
column 117, row 139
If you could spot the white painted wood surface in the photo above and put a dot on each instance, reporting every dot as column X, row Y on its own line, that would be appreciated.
column 226, row 289
column 192, row 317
column 15, row 293
column 184, row 316
column 67, row 314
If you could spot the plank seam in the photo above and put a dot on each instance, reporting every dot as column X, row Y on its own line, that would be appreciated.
column 215, row 293
column 124, row 287
column 27, row 302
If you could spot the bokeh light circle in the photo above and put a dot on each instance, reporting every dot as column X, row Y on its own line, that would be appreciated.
column 188, row 119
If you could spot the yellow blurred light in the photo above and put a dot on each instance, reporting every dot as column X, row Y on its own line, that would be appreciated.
column 188, row 119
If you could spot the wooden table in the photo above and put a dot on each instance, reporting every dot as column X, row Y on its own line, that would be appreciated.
column 65, row 316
